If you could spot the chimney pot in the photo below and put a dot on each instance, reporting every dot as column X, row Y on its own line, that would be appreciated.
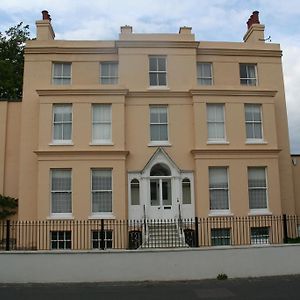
column 46, row 15
column 254, row 19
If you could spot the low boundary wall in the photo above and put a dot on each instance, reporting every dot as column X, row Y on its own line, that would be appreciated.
column 158, row 265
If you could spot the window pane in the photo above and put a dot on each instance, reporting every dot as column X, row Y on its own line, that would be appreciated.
column 104, row 70
column 61, row 180
column 67, row 131
column 218, row 178
column 161, row 64
column 102, row 113
column 61, row 202
column 58, row 133
column 256, row 177
column 153, row 64
column 219, row 199
column 243, row 71
column 57, row 70
column 135, row 192
column 163, row 133
column 154, row 192
column 166, row 192
column 186, row 191
column 162, row 80
column 101, row 180
column 153, row 79
column 66, row 70
column 220, row 237
column 102, row 202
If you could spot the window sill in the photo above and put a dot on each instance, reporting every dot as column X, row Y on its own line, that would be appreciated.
column 102, row 216
column 159, row 144
column 101, row 144
column 220, row 213
column 61, row 144
column 259, row 212
column 61, row 217
column 158, row 87
column 217, row 143
column 258, row 141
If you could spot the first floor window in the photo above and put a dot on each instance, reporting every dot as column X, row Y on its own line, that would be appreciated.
column 101, row 123
column 218, row 188
column 253, row 119
column 159, row 123
column 215, row 122
column 186, row 191
column 135, row 192
column 61, row 191
column 101, row 191
column 102, row 239
column 62, row 123
column 220, row 236
column 61, row 240
column 257, row 188
column 260, row 235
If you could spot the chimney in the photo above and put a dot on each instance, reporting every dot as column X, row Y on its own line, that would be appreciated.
column 255, row 32
column 126, row 29
column 44, row 29
column 185, row 30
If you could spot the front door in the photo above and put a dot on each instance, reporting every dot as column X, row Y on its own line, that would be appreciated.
column 161, row 204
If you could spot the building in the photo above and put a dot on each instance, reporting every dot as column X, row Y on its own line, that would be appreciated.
column 149, row 126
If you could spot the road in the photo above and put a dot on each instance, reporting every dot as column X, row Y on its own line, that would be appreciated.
column 284, row 287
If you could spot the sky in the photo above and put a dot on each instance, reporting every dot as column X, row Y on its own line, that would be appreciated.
column 211, row 20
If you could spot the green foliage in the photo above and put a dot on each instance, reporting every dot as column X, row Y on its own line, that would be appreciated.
column 12, row 44
column 222, row 276
column 8, row 206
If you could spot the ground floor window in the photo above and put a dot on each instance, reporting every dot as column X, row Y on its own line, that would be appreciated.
column 220, row 236
column 102, row 239
column 260, row 235
column 61, row 240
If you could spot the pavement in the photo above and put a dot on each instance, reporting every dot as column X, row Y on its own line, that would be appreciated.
column 267, row 288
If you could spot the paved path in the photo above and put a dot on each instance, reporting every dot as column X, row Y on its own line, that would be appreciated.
column 286, row 287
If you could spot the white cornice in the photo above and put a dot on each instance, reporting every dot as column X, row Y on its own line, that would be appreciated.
column 233, row 92
column 239, row 52
column 70, row 50
column 80, row 92
column 157, row 44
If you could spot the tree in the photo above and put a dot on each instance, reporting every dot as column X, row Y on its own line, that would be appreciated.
column 12, row 44
column 8, row 206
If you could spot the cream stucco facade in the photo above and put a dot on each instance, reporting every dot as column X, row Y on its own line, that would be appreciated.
column 179, row 105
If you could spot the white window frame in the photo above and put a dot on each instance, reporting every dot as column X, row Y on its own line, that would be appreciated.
column 248, row 79
column 102, row 141
column 98, row 240
column 159, row 142
column 254, row 140
column 219, row 211
column 264, row 210
column 62, row 77
column 137, row 184
column 214, row 140
column 202, row 77
column 102, row 215
column 260, row 239
column 158, row 72
column 221, row 237
column 64, row 240
column 184, row 182
column 65, row 215
column 62, row 141
column 112, row 79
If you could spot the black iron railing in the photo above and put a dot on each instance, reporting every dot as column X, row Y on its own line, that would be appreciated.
column 141, row 234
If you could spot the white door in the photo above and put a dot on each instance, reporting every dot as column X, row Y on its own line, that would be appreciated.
column 161, row 204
